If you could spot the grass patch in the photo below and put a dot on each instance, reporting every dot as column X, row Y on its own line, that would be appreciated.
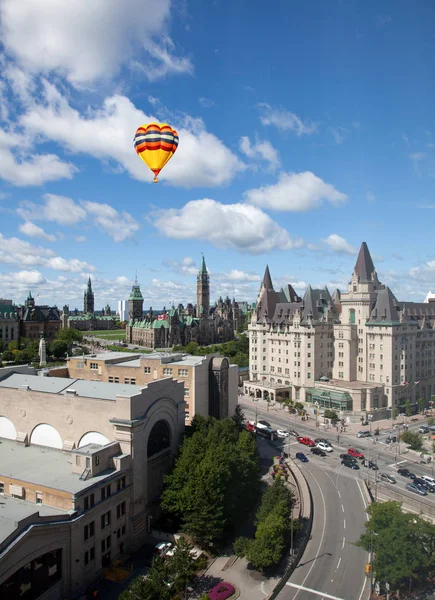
column 110, row 334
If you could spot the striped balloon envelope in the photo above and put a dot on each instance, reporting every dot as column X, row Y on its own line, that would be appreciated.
column 156, row 144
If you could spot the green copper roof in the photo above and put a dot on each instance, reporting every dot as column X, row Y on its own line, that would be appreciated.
column 7, row 311
column 29, row 296
column 203, row 266
column 135, row 294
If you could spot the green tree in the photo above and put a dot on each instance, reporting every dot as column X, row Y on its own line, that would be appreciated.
column 278, row 492
column 58, row 348
column 421, row 404
column 408, row 411
column 8, row 356
column 69, row 336
column 299, row 407
column 138, row 590
column 431, row 421
column 238, row 417
column 395, row 413
column 414, row 440
column 182, row 566
column 331, row 414
column 403, row 544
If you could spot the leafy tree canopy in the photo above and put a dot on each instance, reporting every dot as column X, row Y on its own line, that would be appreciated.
column 414, row 439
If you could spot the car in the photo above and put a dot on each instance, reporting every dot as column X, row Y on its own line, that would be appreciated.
column 318, row 451
column 293, row 432
column 282, row 433
column 263, row 425
column 406, row 473
column 305, row 440
column 387, row 478
column 250, row 426
column 350, row 463
column 301, row 456
column 423, row 429
column 355, row 453
column 425, row 485
column 412, row 487
column 162, row 548
column 324, row 447
column 428, row 479
column 370, row 464
column 402, row 415
column 348, row 457
column 363, row 434
column 323, row 441
column 391, row 439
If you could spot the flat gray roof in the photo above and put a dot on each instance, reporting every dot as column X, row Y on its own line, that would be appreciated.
column 128, row 363
column 43, row 466
column 13, row 510
column 109, row 355
column 60, row 385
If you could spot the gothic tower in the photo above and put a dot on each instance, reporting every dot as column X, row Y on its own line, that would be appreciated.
column 135, row 303
column 30, row 302
column 203, row 292
column 88, row 299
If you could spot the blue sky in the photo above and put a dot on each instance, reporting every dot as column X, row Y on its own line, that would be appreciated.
column 304, row 130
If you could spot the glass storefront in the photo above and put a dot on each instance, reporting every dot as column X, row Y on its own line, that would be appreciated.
column 338, row 401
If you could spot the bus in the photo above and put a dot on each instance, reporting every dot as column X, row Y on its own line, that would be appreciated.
column 267, row 432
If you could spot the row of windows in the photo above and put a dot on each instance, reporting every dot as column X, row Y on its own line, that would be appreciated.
column 105, row 491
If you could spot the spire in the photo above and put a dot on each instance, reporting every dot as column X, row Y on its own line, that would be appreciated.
column 364, row 267
column 267, row 280
column 203, row 266
column 89, row 284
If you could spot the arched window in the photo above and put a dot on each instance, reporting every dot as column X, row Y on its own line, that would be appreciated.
column 46, row 435
column 159, row 438
column 7, row 429
column 93, row 437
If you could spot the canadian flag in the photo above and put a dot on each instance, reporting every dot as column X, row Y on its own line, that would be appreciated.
column 161, row 317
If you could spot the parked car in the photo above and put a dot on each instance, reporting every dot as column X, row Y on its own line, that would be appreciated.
column 250, row 426
column 347, row 457
column 387, row 478
column 301, row 456
column 412, row 487
column 350, row 463
column 428, row 479
column 318, row 451
column 263, row 425
column 324, row 447
column 293, row 432
column 423, row 429
column 391, row 439
column 422, row 483
column 406, row 473
column 370, row 464
column 305, row 440
column 282, row 433
column 162, row 548
column 355, row 453
column 363, row 434
column 327, row 442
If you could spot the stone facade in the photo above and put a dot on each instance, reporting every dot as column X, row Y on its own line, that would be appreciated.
column 91, row 493
column 9, row 322
column 38, row 319
column 88, row 320
column 179, row 326
column 361, row 351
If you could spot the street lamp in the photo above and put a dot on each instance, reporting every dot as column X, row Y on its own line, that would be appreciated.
column 317, row 412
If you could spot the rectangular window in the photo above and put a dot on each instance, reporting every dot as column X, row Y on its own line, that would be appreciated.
column 93, row 366
column 147, row 370
column 92, row 553
column 89, row 501
column 116, row 380
column 186, row 391
column 78, row 460
column 167, row 371
column 86, row 558
column 120, row 510
column 132, row 381
column 126, row 379
column 110, row 379
column 105, row 520
column 38, row 497
column 183, row 372
column 2, row 487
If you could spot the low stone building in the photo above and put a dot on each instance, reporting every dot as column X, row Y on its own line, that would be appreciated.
column 36, row 319
column 81, row 470
column 9, row 322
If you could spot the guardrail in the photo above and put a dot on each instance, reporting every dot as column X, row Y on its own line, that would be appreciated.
column 384, row 494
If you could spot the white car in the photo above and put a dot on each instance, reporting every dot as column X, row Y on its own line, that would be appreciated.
column 428, row 479
column 325, row 447
column 282, row 433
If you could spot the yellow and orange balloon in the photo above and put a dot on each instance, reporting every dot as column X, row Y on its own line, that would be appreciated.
column 156, row 143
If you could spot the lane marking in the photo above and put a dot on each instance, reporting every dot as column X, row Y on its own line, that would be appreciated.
column 344, row 541
column 339, row 561
column 344, row 523
column 339, row 493
column 320, row 545
column 362, row 496
column 305, row 589
column 342, row 508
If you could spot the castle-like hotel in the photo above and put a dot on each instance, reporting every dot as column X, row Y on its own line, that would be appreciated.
column 179, row 326
column 361, row 352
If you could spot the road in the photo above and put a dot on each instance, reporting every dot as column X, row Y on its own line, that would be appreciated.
column 332, row 566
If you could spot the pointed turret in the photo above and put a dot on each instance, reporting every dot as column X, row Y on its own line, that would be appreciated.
column 364, row 268
column 203, row 266
column 30, row 302
column 267, row 280
column 89, row 284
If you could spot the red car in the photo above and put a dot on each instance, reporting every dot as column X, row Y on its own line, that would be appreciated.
column 355, row 453
column 306, row 441
column 250, row 426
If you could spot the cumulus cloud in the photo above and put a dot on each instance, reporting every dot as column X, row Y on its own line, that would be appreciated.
column 32, row 230
column 285, row 120
column 119, row 226
column 238, row 226
column 58, row 209
column 106, row 133
column 339, row 134
column 206, row 102
column 81, row 238
column 85, row 43
column 336, row 243
column 186, row 266
column 260, row 150
column 296, row 192
column 237, row 276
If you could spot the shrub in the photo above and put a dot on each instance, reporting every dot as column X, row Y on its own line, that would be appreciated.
column 221, row 591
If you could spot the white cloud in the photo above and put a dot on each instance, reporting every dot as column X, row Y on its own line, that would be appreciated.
column 382, row 20
column 119, row 226
column 206, row 102
column 339, row 134
column 32, row 230
column 416, row 158
column 22, row 277
column 58, row 209
column 73, row 265
column 81, row 239
column 186, row 266
column 89, row 42
column 106, row 133
column 283, row 119
column 338, row 244
column 237, row 276
column 296, row 192
column 260, row 150
column 153, row 100
column 239, row 226
column 370, row 197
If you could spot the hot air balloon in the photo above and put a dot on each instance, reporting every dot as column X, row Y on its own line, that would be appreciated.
column 156, row 143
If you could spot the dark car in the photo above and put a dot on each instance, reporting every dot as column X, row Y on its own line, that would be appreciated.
column 318, row 451
column 370, row 464
column 425, row 485
column 423, row 429
column 391, row 439
column 293, row 432
column 387, row 478
column 301, row 456
column 348, row 457
column 406, row 473
column 412, row 487
column 350, row 463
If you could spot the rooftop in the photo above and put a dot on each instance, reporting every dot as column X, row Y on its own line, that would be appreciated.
column 348, row 385
column 61, row 385
column 46, row 467
column 14, row 510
